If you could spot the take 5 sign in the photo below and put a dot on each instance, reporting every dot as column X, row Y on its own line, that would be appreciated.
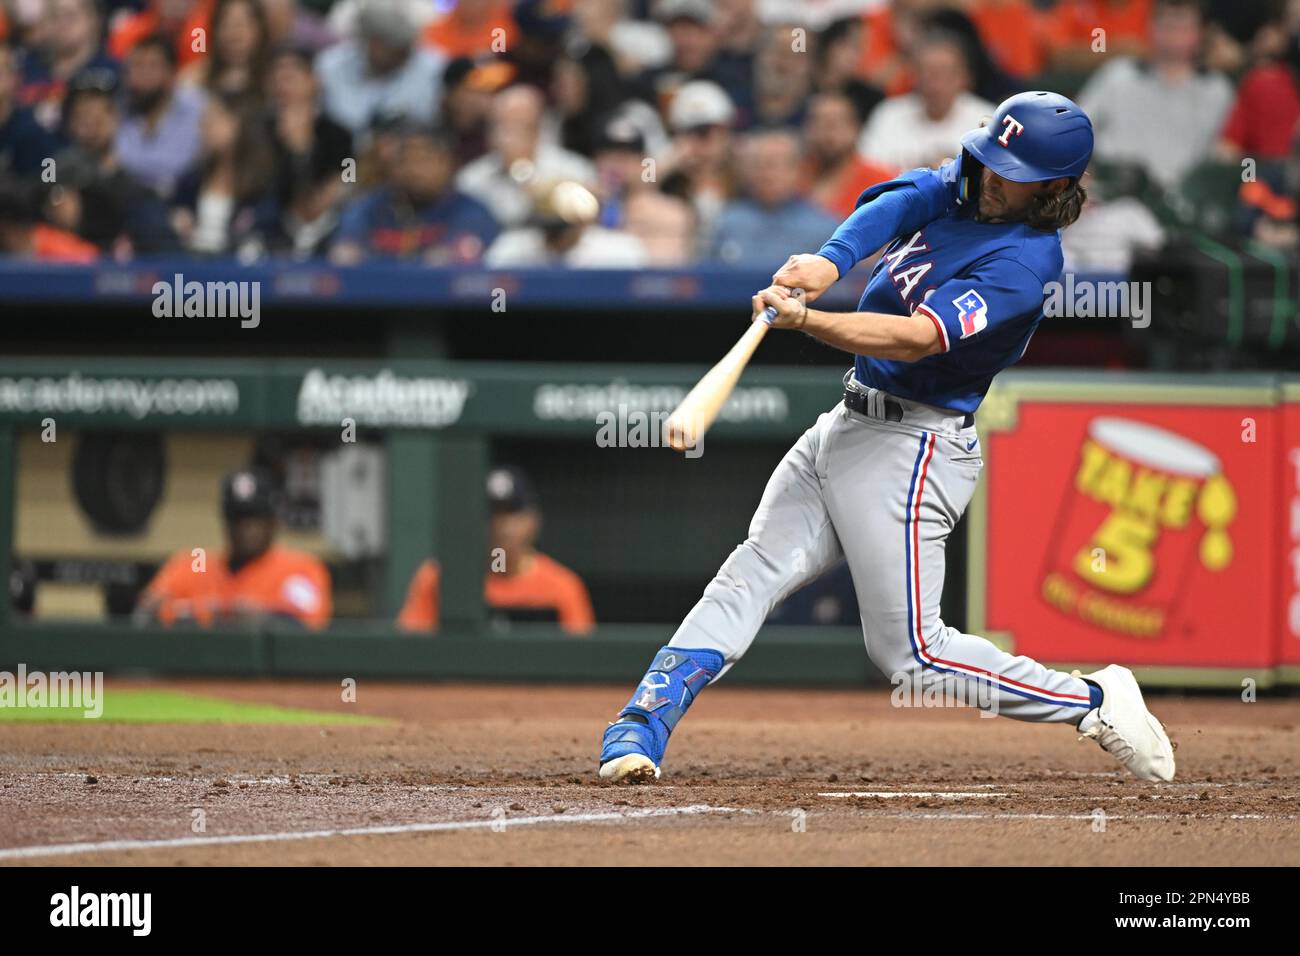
column 1134, row 533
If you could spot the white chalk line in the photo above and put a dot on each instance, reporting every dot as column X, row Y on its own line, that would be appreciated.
column 967, row 795
column 946, row 794
column 500, row 823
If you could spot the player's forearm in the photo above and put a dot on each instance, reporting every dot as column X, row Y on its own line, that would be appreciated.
column 869, row 227
column 906, row 338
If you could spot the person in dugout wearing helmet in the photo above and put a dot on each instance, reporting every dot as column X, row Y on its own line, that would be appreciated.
column 522, row 583
column 254, row 581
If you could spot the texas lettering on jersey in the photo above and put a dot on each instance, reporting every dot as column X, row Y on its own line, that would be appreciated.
column 981, row 285
column 906, row 279
column 973, row 311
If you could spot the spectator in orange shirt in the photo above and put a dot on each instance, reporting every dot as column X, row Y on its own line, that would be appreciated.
column 522, row 584
column 893, row 31
column 1012, row 31
column 895, row 34
column 836, row 173
column 175, row 19
column 989, row 80
column 1070, row 31
column 23, row 234
column 470, row 29
column 253, row 582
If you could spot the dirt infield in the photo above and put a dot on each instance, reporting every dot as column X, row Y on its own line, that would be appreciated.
column 494, row 774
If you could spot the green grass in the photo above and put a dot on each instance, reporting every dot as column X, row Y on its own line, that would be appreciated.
column 175, row 707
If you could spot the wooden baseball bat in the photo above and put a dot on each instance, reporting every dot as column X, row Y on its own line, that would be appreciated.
column 698, row 410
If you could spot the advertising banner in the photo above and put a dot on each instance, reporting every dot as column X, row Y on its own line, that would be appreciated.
column 1134, row 533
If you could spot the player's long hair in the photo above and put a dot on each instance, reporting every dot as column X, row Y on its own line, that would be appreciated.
column 1052, row 211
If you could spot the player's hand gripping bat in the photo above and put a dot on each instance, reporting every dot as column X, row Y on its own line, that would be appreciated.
column 698, row 410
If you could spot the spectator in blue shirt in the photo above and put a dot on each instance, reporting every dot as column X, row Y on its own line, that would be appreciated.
column 71, row 36
column 759, row 230
column 159, row 138
column 24, row 143
column 419, row 214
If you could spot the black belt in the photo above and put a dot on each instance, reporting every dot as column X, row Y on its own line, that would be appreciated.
column 857, row 402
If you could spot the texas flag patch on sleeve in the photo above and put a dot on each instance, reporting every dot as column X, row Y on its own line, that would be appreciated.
column 972, row 312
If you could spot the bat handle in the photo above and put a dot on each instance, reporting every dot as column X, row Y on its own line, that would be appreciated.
column 769, row 314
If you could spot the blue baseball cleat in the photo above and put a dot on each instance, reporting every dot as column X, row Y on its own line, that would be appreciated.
column 634, row 744
column 625, row 750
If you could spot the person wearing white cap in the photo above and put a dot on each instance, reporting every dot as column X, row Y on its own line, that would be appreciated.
column 699, row 166
column 700, row 103
column 382, row 70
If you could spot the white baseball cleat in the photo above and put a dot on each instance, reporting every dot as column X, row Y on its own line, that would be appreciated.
column 630, row 768
column 1124, row 727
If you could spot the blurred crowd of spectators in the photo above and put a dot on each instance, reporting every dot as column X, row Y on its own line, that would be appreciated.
column 605, row 132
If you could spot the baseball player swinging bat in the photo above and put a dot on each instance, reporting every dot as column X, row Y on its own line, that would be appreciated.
column 698, row 410
column 881, row 478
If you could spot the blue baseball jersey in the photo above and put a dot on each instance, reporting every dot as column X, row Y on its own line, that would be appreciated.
column 981, row 284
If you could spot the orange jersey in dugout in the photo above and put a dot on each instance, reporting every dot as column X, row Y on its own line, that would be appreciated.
column 281, row 581
column 545, row 590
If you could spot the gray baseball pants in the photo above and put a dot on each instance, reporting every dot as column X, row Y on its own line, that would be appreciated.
column 885, row 496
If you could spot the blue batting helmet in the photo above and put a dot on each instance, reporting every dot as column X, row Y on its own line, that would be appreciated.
column 1034, row 137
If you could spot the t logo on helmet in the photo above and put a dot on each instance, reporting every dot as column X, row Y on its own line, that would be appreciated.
column 1013, row 128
